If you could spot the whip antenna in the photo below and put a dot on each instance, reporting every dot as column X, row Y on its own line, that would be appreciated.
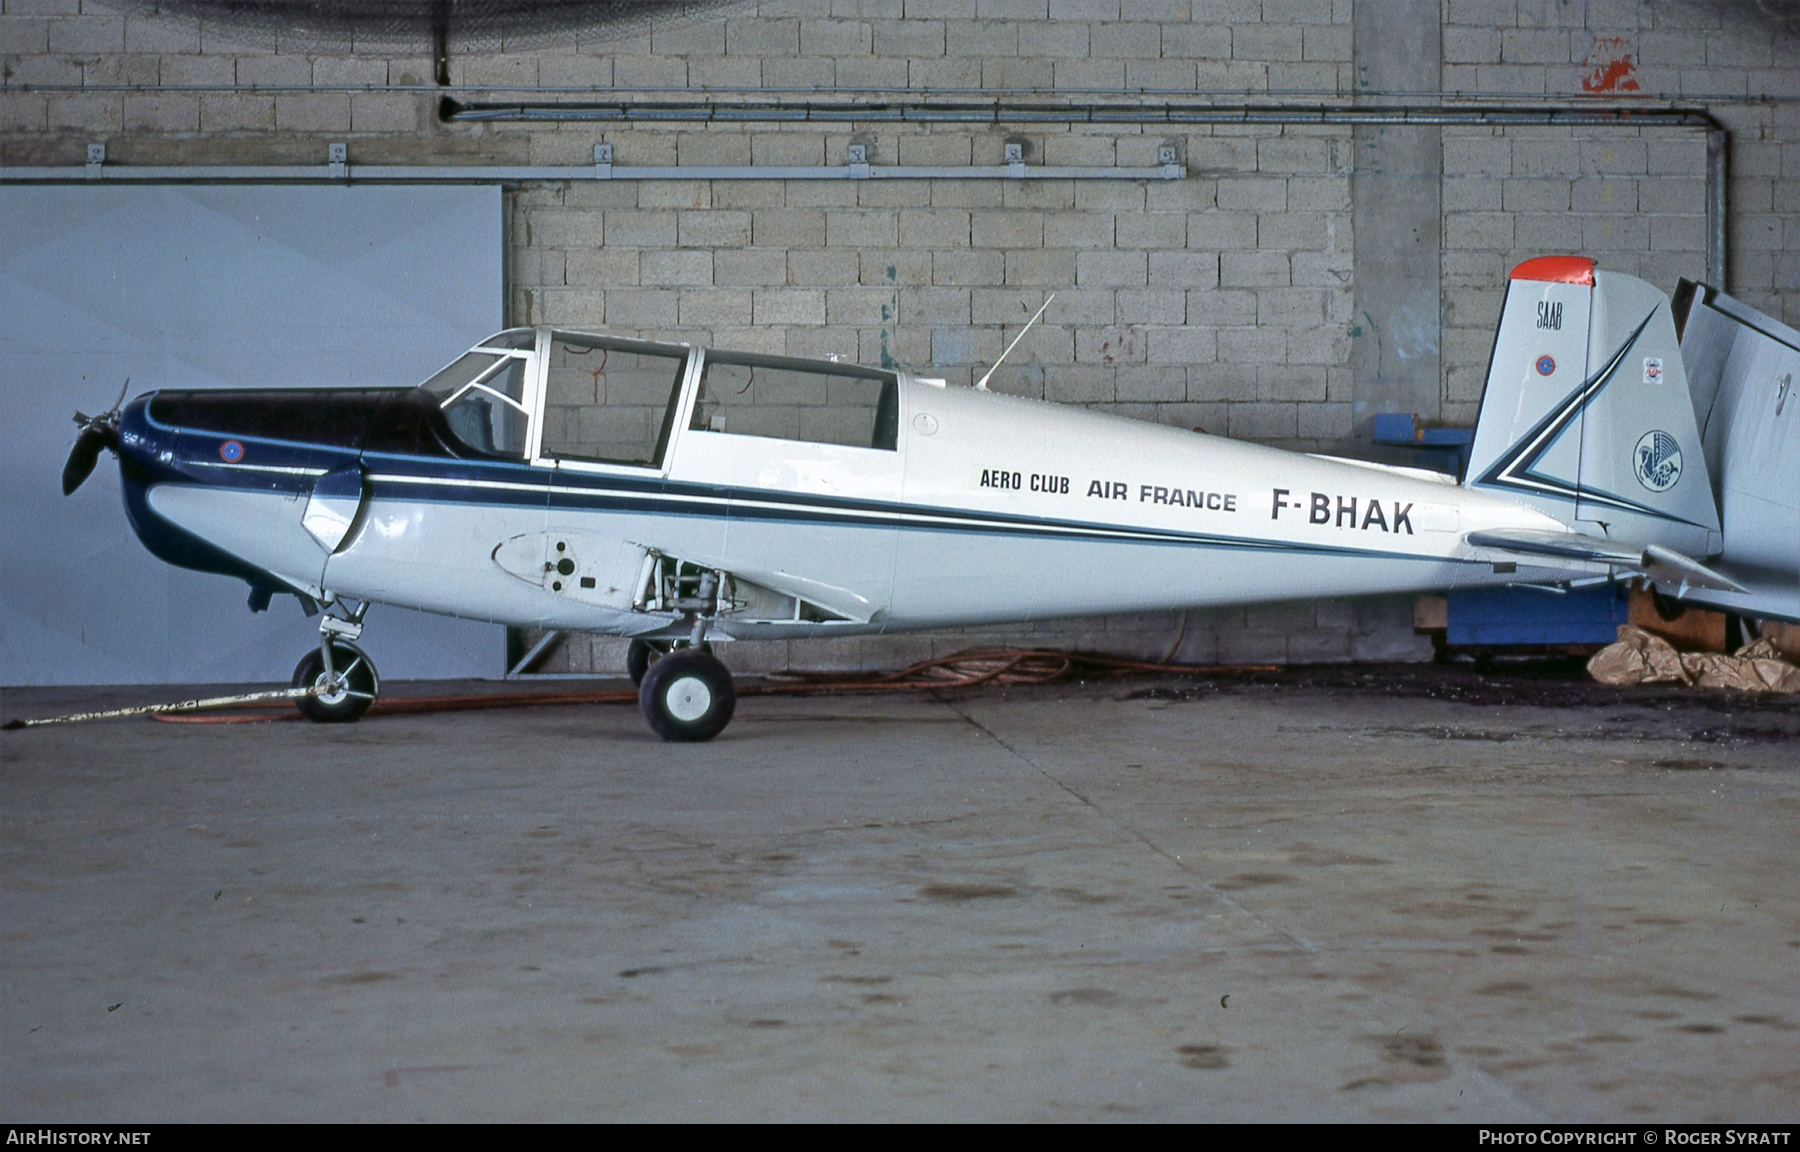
column 981, row 384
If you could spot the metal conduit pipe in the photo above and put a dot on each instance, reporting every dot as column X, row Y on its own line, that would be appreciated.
column 1001, row 111
column 1143, row 111
column 1718, row 176
column 339, row 170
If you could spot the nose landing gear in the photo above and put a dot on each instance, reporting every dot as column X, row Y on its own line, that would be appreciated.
column 342, row 673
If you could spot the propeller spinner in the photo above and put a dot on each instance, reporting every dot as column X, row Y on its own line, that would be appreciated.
column 97, row 432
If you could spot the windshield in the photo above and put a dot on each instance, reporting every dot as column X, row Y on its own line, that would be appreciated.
column 450, row 380
column 483, row 399
column 522, row 339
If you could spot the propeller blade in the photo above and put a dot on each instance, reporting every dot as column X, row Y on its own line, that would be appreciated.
column 97, row 433
column 82, row 458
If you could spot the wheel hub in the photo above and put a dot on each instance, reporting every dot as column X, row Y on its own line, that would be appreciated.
column 688, row 699
column 332, row 689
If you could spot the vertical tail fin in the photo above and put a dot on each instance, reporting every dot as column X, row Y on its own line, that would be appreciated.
column 1586, row 415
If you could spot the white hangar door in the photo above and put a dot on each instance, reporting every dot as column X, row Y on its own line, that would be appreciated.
column 210, row 287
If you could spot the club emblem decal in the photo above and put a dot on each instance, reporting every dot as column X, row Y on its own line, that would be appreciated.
column 1657, row 461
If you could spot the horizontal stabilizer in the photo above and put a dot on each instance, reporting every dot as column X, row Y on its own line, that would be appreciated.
column 1667, row 566
column 1664, row 565
column 1563, row 545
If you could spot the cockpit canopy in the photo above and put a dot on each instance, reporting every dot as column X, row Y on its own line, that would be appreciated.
column 609, row 400
column 483, row 397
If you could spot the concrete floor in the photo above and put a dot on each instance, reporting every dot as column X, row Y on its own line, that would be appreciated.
column 1324, row 898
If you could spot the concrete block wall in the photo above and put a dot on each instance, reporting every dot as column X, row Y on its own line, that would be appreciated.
column 1217, row 301
column 1632, row 198
column 1223, row 301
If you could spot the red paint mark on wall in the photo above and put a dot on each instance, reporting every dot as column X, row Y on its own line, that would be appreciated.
column 1613, row 68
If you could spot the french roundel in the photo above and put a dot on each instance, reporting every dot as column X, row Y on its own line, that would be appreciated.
column 231, row 451
column 1545, row 365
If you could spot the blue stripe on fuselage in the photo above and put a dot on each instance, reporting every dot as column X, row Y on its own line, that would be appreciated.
column 586, row 492
column 275, row 464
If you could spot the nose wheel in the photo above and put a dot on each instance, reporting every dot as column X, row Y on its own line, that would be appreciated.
column 346, row 689
column 687, row 696
column 341, row 674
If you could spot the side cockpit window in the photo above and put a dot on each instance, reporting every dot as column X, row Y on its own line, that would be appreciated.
column 610, row 401
column 483, row 399
column 798, row 400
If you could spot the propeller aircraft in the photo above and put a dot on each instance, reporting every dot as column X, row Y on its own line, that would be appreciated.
column 685, row 496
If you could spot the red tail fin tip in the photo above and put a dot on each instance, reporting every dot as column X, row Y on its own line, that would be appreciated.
column 1556, row 270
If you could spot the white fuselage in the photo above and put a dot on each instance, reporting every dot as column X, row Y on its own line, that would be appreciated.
column 989, row 508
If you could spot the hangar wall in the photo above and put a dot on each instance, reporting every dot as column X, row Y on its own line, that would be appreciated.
column 209, row 287
column 1237, row 299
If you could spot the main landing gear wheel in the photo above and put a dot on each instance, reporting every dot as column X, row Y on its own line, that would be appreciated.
column 343, row 697
column 687, row 696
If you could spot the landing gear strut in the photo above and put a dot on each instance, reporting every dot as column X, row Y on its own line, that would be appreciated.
column 686, row 695
column 343, row 673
